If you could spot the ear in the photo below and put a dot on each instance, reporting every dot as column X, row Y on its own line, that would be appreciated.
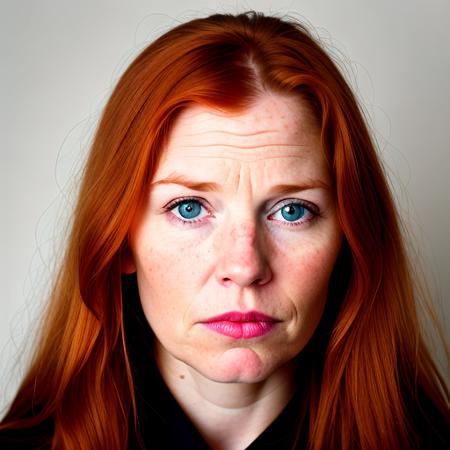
column 127, row 264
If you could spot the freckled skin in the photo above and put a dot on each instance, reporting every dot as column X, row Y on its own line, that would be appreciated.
column 236, row 258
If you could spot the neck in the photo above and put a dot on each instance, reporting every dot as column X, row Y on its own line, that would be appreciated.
column 229, row 416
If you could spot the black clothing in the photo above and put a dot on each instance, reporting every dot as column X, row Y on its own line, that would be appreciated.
column 163, row 425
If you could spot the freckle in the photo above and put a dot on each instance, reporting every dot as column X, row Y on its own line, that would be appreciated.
column 182, row 377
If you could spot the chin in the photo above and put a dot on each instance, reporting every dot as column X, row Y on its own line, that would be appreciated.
column 237, row 365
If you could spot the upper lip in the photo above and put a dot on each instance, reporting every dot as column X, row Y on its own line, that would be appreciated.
column 238, row 316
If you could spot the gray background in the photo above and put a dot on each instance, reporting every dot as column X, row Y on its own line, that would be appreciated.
column 61, row 58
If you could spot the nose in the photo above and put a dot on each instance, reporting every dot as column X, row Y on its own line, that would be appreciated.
column 241, row 260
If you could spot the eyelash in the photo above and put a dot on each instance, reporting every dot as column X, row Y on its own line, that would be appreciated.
column 172, row 205
column 310, row 208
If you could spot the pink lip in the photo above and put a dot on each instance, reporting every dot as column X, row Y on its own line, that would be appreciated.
column 240, row 325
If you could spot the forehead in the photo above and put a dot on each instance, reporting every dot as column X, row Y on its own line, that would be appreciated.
column 276, row 133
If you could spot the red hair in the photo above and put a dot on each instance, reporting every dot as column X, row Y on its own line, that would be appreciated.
column 375, row 362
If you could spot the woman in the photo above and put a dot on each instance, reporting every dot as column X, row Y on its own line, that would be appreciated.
column 235, row 276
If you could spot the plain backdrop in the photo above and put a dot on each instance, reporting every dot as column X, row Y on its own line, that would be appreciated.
column 61, row 58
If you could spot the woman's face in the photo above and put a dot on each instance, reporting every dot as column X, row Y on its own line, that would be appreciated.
column 238, row 239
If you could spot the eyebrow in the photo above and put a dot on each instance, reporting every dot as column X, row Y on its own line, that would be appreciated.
column 211, row 186
column 191, row 184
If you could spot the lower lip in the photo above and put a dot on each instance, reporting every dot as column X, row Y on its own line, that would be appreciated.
column 241, row 330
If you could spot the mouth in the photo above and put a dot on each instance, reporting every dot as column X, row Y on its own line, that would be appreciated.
column 241, row 325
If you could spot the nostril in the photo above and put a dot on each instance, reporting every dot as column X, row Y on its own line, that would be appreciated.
column 226, row 282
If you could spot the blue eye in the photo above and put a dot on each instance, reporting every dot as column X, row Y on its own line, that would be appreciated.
column 293, row 212
column 189, row 209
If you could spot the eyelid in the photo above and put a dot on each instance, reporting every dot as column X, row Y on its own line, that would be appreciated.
column 173, row 203
column 311, row 207
column 314, row 209
column 169, row 209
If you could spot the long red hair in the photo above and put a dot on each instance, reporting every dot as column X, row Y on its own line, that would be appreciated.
column 375, row 361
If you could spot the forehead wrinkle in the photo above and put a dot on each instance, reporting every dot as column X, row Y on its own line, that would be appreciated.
column 246, row 138
column 245, row 158
column 239, row 179
column 240, row 176
column 232, row 133
column 245, row 179
column 202, row 114
column 230, row 171
column 242, row 147
column 276, row 133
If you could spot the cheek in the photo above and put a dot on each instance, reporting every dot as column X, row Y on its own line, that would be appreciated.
column 162, row 261
column 316, row 267
column 310, row 265
column 168, row 275
column 307, row 279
